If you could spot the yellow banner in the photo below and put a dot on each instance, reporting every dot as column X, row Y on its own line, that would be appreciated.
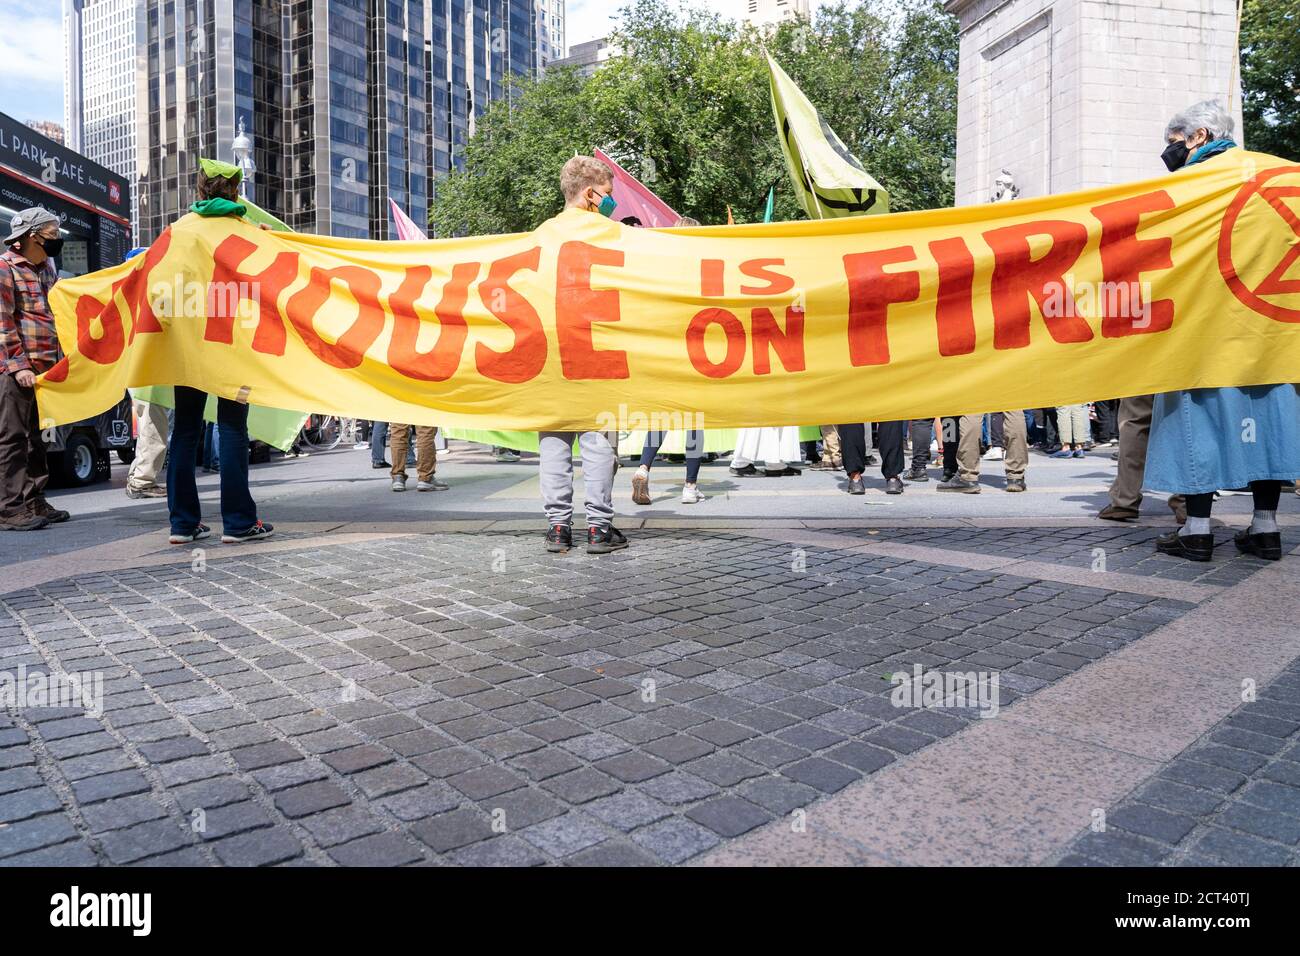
column 1185, row 281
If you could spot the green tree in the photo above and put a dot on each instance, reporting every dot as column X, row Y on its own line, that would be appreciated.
column 685, row 106
column 1270, row 76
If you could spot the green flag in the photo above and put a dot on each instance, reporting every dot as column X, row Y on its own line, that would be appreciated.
column 771, row 201
column 828, row 179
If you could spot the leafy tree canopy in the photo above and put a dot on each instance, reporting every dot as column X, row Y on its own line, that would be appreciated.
column 685, row 106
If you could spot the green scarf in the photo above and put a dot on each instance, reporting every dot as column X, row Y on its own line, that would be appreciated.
column 218, row 207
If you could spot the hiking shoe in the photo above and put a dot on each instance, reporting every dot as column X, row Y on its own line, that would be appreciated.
column 1015, row 484
column 605, row 540
column 43, row 509
column 1193, row 547
column 1266, row 545
column 431, row 485
column 856, row 487
column 691, row 495
column 153, row 491
column 641, row 488
column 23, row 521
column 256, row 533
column 399, row 482
column 894, row 486
column 915, row 474
column 1116, row 513
column 959, row 484
column 182, row 537
column 559, row 538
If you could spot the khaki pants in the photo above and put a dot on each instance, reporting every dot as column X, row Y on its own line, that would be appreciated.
column 150, row 446
column 831, row 445
column 1072, row 425
column 426, row 449
column 1013, row 433
column 1134, row 432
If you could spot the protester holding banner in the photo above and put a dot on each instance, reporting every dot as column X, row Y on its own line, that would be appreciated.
column 588, row 185
column 218, row 191
column 29, row 346
column 1206, row 439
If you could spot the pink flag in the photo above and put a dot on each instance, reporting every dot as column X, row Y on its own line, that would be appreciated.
column 634, row 199
column 406, row 227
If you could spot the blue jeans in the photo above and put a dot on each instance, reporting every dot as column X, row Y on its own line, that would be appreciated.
column 694, row 450
column 238, row 511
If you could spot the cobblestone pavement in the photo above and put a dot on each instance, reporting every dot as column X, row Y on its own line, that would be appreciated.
column 1232, row 798
column 468, row 699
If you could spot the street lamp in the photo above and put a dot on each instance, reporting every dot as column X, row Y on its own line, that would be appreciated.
column 243, row 150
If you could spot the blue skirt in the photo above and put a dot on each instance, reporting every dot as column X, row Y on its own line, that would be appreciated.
column 1208, row 439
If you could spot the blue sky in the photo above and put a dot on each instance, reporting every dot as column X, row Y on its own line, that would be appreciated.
column 31, row 49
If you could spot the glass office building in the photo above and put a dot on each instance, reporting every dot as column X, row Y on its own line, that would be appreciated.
column 347, row 102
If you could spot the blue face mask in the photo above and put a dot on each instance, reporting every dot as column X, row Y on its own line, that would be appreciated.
column 607, row 206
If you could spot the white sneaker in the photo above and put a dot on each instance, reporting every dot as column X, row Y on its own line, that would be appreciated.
column 399, row 483
column 691, row 495
column 361, row 446
column 995, row 454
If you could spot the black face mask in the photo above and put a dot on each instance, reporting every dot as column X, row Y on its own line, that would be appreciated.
column 52, row 247
column 1175, row 155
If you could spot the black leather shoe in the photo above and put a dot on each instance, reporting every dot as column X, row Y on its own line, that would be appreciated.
column 605, row 540
column 1266, row 545
column 559, row 539
column 1193, row 547
column 894, row 486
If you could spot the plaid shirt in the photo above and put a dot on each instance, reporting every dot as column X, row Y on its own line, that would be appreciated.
column 27, row 336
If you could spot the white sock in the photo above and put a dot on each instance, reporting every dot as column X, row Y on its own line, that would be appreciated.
column 1264, row 522
column 1196, row 526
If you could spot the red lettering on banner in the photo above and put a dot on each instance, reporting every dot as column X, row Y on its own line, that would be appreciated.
column 712, row 283
column 578, row 306
column 1124, row 258
column 735, row 333
column 107, row 348
column 871, row 292
column 528, row 355
column 270, row 337
column 758, row 269
column 953, row 313
column 1018, row 275
column 351, row 346
column 787, row 343
column 137, row 288
column 440, row 362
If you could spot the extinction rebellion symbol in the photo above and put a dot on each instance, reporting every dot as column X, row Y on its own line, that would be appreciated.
column 1264, row 279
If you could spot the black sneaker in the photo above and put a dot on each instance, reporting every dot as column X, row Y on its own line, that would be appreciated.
column 256, row 533
column 749, row 471
column 605, row 540
column 916, row 474
column 894, row 486
column 856, row 487
column 1193, row 547
column 1266, row 545
column 559, row 539
column 183, row 537
column 960, row 485
column 378, row 465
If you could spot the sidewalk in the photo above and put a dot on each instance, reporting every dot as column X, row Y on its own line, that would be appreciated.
column 442, row 691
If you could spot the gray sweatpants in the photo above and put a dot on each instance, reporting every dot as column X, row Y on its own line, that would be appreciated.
column 557, row 477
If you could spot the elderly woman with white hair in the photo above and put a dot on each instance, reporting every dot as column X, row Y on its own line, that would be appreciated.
column 1206, row 439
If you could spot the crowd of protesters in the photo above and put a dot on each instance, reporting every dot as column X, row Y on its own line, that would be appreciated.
column 1188, row 444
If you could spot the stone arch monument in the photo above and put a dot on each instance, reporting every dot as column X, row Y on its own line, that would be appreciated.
column 1072, row 94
